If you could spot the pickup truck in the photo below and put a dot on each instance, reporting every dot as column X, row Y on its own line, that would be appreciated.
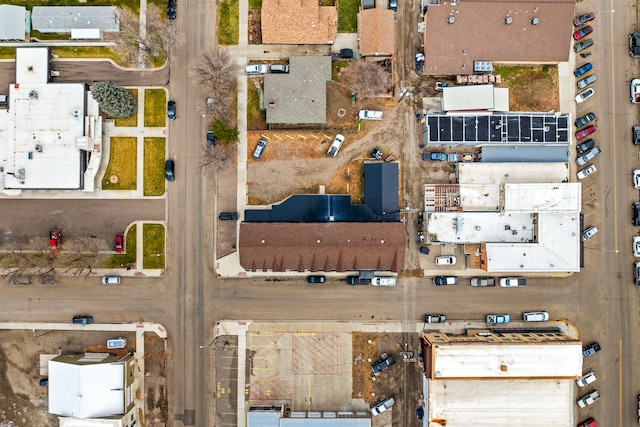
column 494, row 319
column 54, row 241
column 356, row 280
column 385, row 362
column 383, row 281
column 434, row 318
column 434, row 156
column 589, row 398
column 590, row 349
column 380, row 407
column 476, row 281
column 370, row 115
column 460, row 157
column 511, row 282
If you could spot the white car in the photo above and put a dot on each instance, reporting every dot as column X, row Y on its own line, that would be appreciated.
column 588, row 399
column 635, row 91
column 445, row 260
column 636, row 178
column 256, row 69
column 370, row 115
column 636, row 246
column 586, row 379
column 589, row 233
column 111, row 280
column 585, row 94
column 335, row 145
column 383, row 281
column 586, row 172
column 511, row 282
column 535, row 316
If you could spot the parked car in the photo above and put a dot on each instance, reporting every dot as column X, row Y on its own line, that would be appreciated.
column 513, row 282
column 393, row 5
column 434, row 156
column 385, row 362
column 586, row 172
column 111, row 280
column 634, row 44
column 370, row 115
column 256, row 69
column 585, row 146
column 279, row 68
column 346, row 54
column 335, row 145
column 583, row 69
column 589, row 422
column 383, row 281
column 376, row 153
column 583, row 19
column 588, row 399
column 584, row 119
column 584, row 132
column 119, row 243
column 584, row 95
column 587, row 81
column 494, row 319
column 635, row 178
column 582, row 32
column 211, row 138
column 476, row 281
column 589, row 233
column 635, row 135
column 434, row 318
column 313, row 280
column 357, row 280
column 169, row 167
column 171, row 9
column 635, row 90
column 171, row 110
column 228, row 216
column 635, row 213
column 445, row 280
column 257, row 152
column 439, row 86
column 380, row 407
column 588, row 156
column 590, row 349
column 82, row 319
column 445, row 260
column 586, row 379
column 582, row 45
column 535, row 316
column 636, row 246
column 638, row 408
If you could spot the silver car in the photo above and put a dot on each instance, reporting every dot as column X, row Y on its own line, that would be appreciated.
column 588, row 156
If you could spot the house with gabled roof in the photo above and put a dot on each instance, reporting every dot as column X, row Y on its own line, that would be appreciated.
column 377, row 32
column 298, row 22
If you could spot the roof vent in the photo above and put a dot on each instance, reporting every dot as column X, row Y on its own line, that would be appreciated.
column 535, row 21
column 508, row 20
column 33, row 95
column 451, row 20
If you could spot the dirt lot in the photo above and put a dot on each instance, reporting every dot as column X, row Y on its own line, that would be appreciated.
column 25, row 403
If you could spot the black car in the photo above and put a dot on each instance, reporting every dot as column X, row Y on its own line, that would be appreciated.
column 583, row 120
column 169, row 170
column 635, row 135
column 315, row 279
column 636, row 273
column 257, row 153
column 211, row 138
column 585, row 146
column 384, row 363
column 228, row 216
column 346, row 54
column 424, row 250
column 590, row 349
column 82, row 319
column 376, row 153
column 171, row 9
column 635, row 213
column 171, row 110
column 634, row 44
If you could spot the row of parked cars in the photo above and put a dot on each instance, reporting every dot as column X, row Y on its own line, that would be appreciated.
column 588, row 378
column 507, row 282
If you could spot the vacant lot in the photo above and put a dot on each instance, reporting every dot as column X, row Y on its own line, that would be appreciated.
column 531, row 88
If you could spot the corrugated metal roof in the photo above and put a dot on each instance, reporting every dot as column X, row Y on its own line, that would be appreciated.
column 12, row 22
column 381, row 189
column 526, row 154
column 62, row 19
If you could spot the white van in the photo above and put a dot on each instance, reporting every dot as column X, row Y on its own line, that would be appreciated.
column 256, row 69
column 536, row 316
column 119, row 342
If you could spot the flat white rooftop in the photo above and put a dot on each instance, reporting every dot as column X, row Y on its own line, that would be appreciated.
column 502, row 403
column 465, row 98
column 481, row 227
column 32, row 65
column 501, row 173
column 491, row 361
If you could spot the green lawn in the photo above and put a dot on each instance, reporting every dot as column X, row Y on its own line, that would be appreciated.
column 133, row 5
column 155, row 107
column 154, row 157
column 256, row 118
column 7, row 52
column 255, row 4
column 348, row 16
column 132, row 120
column 153, row 253
column 228, row 22
column 128, row 257
column 87, row 52
column 122, row 164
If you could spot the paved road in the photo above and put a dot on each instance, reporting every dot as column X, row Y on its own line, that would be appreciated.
column 24, row 219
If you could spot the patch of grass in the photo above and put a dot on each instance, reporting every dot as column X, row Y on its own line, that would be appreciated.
column 255, row 4
column 122, row 164
column 7, row 52
column 30, row 3
column 88, row 52
column 153, row 252
column 335, row 69
column 228, row 22
column 348, row 16
column 531, row 88
column 327, row 2
column 154, row 157
column 128, row 257
column 256, row 118
column 132, row 120
column 155, row 107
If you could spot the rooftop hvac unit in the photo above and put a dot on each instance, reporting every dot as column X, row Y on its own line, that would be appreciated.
column 482, row 66
column 76, row 113
column 33, row 94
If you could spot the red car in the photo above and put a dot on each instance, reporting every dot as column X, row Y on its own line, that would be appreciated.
column 54, row 241
column 589, row 422
column 586, row 131
column 583, row 19
column 582, row 32
column 119, row 242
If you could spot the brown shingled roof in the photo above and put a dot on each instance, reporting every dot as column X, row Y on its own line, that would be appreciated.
column 376, row 32
column 298, row 22
column 479, row 33
column 329, row 246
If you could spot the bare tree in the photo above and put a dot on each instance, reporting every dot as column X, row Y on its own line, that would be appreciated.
column 215, row 108
column 367, row 78
column 214, row 157
column 216, row 74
